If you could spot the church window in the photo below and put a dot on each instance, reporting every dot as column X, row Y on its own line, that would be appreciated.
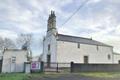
column 49, row 47
column 109, row 57
column 13, row 59
column 78, row 45
column 86, row 59
column 97, row 47
column 119, row 61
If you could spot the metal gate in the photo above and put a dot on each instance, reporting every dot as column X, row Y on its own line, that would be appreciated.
column 56, row 67
column 0, row 66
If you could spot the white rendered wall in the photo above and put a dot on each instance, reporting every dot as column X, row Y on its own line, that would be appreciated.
column 20, row 59
column 116, row 58
column 50, row 39
column 1, row 54
column 68, row 51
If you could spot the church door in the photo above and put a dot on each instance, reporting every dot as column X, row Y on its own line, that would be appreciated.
column 13, row 64
column 48, row 60
column 86, row 59
column 119, row 61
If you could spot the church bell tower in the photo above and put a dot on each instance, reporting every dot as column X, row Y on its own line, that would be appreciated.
column 51, row 26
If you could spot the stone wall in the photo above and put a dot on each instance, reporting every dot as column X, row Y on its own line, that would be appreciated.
column 77, row 67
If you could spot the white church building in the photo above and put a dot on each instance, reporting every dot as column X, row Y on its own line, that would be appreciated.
column 66, row 48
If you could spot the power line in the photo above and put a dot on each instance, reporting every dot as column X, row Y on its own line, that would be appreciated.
column 75, row 12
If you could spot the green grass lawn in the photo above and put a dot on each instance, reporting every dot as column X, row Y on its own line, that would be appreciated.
column 13, row 76
column 23, row 76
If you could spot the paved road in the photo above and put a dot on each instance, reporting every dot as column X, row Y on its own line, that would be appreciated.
column 72, row 77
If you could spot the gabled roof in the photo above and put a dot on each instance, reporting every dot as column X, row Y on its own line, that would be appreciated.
column 82, row 40
column 116, row 53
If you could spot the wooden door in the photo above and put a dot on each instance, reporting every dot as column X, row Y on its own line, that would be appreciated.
column 48, row 60
column 13, row 64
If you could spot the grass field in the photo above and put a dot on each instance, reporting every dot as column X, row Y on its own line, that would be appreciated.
column 22, row 76
column 13, row 76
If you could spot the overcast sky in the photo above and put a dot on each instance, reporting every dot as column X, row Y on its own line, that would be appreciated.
column 99, row 19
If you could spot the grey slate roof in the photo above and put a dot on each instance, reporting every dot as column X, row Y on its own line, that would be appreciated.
column 82, row 40
column 116, row 53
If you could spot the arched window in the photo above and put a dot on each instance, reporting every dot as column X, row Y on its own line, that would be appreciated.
column 97, row 47
column 119, row 61
column 48, row 47
column 109, row 57
column 78, row 45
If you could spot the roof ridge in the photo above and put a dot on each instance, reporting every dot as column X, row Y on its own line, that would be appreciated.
column 75, row 36
column 77, row 39
column 116, row 53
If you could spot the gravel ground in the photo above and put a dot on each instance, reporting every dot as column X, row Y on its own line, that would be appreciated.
column 72, row 77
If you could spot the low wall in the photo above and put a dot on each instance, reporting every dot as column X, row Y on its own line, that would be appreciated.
column 77, row 67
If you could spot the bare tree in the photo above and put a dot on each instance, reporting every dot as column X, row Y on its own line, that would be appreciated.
column 6, row 43
column 9, row 44
column 24, row 40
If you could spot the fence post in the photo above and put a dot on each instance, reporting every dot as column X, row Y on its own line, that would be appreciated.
column 42, row 66
column 57, row 67
column 72, row 67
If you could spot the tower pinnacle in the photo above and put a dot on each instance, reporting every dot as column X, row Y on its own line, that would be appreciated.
column 51, row 21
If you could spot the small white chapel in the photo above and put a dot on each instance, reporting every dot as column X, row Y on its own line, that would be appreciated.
column 63, row 48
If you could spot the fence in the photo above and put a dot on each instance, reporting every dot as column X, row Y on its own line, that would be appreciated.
column 56, row 67
column 35, row 66
column 78, row 67
column 46, row 67
column 0, row 66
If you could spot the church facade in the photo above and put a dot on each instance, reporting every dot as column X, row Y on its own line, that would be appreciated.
column 65, row 48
